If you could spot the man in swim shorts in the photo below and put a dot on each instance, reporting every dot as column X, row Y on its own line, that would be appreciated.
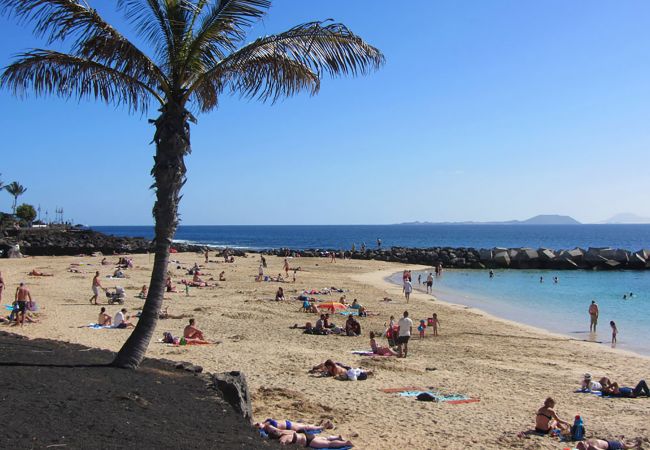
column 593, row 314
column 430, row 283
column 404, row 334
column 22, row 295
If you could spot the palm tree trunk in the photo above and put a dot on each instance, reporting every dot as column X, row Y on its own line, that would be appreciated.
column 172, row 140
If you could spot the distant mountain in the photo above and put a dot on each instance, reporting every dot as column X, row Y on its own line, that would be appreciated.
column 542, row 219
column 628, row 218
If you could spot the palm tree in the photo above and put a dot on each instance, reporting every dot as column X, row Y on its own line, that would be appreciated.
column 197, row 55
column 16, row 190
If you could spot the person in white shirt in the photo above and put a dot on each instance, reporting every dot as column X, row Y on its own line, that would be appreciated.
column 590, row 385
column 408, row 288
column 121, row 320
column 405, row 327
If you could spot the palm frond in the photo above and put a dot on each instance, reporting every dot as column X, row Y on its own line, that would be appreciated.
column 224, row 25
column 318, row 49
column 49, row 72
column 148, row 17
column 265, row 77
column 93, row 37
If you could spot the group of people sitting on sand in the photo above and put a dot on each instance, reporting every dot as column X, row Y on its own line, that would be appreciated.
column 548, row 421
column 303, row 435
column 120, row 320
column 612, row 389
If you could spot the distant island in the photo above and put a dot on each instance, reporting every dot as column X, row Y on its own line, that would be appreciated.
column 627, row 218
column 542, row 219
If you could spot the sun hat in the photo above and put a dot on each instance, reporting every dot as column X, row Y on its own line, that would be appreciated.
column 587, row 376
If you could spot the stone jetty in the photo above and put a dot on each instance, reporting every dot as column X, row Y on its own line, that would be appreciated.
column 496, row 258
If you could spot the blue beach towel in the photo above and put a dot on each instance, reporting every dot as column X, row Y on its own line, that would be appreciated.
column 596, row 393
column 95, row 326
column 349, row 313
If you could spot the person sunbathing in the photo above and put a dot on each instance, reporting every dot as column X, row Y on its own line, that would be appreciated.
column 169, row 286
column 294, row 426
column 118, row 274
column 279, row 296
column 192, row 334
column 325, row 367
column 143, row 292
column 602, row 444
column 378, row 350
column 547, row 419
column 222, row 276
column 36, row 273
column 104, row 319
column 613, row 389
column 306, row 440
column 352, row 327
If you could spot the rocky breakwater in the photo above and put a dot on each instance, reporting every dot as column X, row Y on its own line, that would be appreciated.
column 61, row 242
column 497, row 258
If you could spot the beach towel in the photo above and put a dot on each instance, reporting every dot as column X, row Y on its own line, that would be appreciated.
column 96, row 326
column 369, row 353
column 596, row 393
column 349, row 313
column 9, row 307
column 436, row 396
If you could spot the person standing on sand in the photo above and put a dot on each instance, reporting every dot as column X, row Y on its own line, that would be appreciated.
column 593, row 314
column 22, row 295
column 207, row 255
column 2, row 286
column 404, row 334
column 286, row 267
column 96, row 286
column 408, row 288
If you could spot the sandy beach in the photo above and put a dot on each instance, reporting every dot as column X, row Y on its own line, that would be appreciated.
column 511, row 368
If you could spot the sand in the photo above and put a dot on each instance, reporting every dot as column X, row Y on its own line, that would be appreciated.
column 511, row 368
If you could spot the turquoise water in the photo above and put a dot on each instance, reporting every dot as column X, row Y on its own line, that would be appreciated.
column 560, row 307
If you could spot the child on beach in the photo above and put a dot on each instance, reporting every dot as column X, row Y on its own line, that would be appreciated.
column 434, row 322
column 614, row 331
column 143, row 292
column 421, row 328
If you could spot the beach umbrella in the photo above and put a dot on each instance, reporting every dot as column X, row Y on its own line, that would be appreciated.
column 332, row 306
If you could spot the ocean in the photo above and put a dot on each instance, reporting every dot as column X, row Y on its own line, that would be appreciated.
column 256, row 237
column 512, row 294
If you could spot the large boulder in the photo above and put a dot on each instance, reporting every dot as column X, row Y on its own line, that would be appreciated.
column 502, row 259
column 234, row 388
column 546, row 254
column 485, row 255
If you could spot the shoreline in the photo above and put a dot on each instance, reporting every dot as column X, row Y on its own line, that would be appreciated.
column 443, row 299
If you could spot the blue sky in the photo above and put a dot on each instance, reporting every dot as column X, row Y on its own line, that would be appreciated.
column 488, row 110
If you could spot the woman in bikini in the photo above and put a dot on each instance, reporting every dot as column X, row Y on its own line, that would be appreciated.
column 547, row 419
column 377, row 350
column 602, row 444
column 305, row 440
column 294, row 426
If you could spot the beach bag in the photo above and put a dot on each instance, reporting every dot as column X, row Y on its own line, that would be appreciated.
column 578, row 429
column 425, row 397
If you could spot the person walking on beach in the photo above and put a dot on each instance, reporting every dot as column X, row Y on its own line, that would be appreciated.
column 593, row 314
column 614, row 331
column 430, row 283
column 207, row 255
column 286, row 267
column 22, row 295
column 96, row 286
column 408, row 288
column 404, row 334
